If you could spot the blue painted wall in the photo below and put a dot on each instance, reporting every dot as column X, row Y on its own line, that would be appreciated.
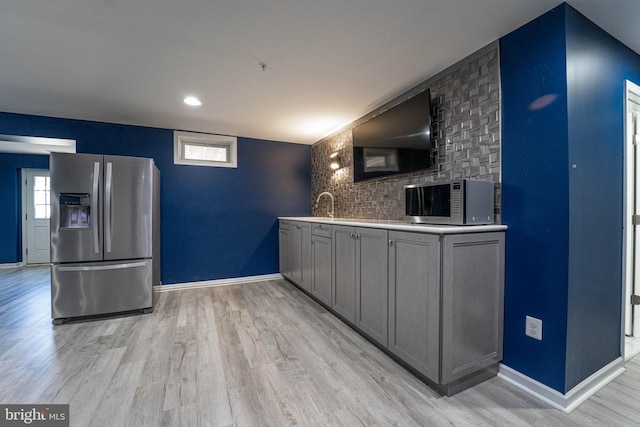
column 597, row 66
column 10, row 204
column 535, row 201
column 562, row 129
column 216, row 222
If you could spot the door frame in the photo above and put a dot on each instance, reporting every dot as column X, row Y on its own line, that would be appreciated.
column 23, row 209
column 628, row 260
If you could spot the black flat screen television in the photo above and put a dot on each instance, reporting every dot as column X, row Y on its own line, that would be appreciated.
column 396, row 141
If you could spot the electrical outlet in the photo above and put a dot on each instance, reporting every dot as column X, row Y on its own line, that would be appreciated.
column 533, row 328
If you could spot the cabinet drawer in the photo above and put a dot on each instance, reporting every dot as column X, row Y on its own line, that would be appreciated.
column 321, row 230
column 285, row 224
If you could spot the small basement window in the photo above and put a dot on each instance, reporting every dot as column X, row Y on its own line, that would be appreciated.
column 201, row 149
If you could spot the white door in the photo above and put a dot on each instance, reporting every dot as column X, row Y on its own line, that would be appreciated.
column 38, row 210
column 631, row 320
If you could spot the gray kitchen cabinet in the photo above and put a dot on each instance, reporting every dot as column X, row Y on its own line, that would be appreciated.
column 372, row 289
column 446, row 305
column 321, row 250
column 284, row 248
column 305, row 268
column 472, row 304
column 344, row 272
column 300, row 255
column 432, row 297
column 360, row 287
column 414, row 300
column 295, row 252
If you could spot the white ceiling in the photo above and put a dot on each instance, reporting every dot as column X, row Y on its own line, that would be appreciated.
column 328, row 62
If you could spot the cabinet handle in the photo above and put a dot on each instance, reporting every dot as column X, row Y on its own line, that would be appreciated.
column 390, row 243
column 357, row 237
column 352, row 235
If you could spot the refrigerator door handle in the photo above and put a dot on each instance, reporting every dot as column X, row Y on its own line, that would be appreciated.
column 94, row 206
column 104, row 267
column 107, row 207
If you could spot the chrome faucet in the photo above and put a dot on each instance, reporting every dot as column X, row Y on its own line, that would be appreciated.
column 326, row 193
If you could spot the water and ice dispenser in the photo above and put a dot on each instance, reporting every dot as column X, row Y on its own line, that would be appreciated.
column 75, row 210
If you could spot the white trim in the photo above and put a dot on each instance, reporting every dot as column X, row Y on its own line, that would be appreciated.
column 219, row 282
column 24, row 192
column 631, row 349
column 23, row 207
column 19, row 144
column 11, row 265
column 574, row 397
column 629, row 208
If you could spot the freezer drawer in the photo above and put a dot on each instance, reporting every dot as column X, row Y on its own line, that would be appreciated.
column 88, row 289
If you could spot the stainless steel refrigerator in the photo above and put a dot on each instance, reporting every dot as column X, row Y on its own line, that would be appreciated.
column 105, row 234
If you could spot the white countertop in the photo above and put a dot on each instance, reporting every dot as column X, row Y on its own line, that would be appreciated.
column 400, row 225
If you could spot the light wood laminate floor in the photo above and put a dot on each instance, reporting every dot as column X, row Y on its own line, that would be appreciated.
column 249, row 355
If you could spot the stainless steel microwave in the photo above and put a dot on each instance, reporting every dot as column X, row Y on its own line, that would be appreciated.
column 457, row 202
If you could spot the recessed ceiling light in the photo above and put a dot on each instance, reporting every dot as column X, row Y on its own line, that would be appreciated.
column 193, row 101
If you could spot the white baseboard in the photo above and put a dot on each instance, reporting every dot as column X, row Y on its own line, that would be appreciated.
column 574, row 397
column 11, row 265
column 220, row 282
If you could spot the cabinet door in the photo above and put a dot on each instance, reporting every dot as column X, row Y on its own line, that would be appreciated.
column 472, row 303
column 295, row 257
column 414, row 300
column 372, row 290
column 285, row 250
column 344, row 272
column 321, row 268
column 305, row 256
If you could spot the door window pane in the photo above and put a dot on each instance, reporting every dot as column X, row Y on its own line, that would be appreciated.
column 40, row 212
column 41, row 197
column 39, row 183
